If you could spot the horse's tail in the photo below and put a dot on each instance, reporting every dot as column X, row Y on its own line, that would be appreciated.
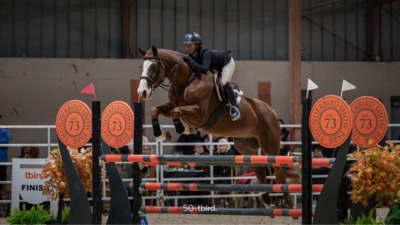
column 292, row 173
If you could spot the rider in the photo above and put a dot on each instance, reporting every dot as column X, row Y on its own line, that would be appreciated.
column 203, row 60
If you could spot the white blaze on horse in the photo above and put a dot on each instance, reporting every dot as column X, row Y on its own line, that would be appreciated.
column 194, row 99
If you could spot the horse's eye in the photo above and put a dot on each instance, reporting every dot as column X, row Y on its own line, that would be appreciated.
column 153, row 68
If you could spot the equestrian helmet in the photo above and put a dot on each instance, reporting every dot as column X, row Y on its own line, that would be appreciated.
column 192, row 38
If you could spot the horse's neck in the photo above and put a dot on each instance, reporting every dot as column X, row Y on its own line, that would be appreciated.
column 180, row 72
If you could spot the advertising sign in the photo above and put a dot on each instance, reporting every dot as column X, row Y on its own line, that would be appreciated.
column 27, row 182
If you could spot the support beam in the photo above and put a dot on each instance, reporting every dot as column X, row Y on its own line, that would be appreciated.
column 375, row 5
column 295, row 66
column 374, row 30
column 126, row 19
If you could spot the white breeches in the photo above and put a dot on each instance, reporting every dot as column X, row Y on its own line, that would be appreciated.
column 227, row 72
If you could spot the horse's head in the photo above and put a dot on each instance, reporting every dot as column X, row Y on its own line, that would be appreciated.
column 154, row 71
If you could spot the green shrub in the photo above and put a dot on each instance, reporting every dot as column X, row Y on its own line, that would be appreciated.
column 65, row 214
column 36, row 215
column 364, row 220
column 393, row 216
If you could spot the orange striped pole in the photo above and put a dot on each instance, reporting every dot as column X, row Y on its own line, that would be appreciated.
column 293, row 188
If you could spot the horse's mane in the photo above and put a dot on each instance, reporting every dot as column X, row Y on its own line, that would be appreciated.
column 177, row 55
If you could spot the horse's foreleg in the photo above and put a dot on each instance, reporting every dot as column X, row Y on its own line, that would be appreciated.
column 165, row 110
column 177, row 112
column 187, row 110
column 178, row 126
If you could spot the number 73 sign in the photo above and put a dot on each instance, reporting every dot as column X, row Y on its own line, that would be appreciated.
column 74, row 124
column 332, row 121
column 370, row 121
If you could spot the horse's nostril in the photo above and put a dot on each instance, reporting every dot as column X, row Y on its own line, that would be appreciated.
column 144, row 94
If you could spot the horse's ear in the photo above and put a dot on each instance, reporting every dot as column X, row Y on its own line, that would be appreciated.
column 142, row 51
column 154, row 49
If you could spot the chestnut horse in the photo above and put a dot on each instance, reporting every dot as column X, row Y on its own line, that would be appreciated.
column 193, row 98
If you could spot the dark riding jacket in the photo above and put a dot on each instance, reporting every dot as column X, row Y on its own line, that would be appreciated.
column 208, row 60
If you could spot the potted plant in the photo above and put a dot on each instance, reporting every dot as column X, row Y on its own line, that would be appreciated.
column 57, row 186
column 376, row 173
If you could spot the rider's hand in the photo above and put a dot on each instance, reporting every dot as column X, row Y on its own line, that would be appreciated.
column 186, row 58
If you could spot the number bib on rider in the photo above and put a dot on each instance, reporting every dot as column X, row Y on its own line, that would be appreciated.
column 117, row 124
column 330, row 121
column 370, row 121
column 74, row 124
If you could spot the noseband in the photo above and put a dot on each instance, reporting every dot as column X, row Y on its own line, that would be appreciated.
column 154, row 81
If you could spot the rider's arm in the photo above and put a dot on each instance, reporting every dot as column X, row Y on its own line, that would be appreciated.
column 206, row 63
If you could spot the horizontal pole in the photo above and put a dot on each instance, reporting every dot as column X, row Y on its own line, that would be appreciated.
column 195, row 160
column 221, row 211
column 227, row 187
column 205, row 160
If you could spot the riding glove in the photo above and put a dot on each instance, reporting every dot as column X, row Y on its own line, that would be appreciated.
column 186, row 58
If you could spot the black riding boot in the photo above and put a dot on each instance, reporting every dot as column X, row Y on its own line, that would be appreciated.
column 230, row 96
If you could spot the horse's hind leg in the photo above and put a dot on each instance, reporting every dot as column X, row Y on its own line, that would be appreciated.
column 261, row 175
column 269, row 140
column 249, row 146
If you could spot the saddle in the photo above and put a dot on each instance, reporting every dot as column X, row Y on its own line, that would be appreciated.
column 219, row 87
column 223, row 100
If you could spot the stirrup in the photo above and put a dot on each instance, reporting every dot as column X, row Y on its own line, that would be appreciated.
column 234, row 113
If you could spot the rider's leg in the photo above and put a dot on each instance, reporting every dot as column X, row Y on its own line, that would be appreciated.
column 234, row 111
column 227, row 73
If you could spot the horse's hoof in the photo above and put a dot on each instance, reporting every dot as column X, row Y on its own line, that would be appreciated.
column 189, row 130
column 266, row 199
column 269, row 206
column 165, row 136
column 141, row 166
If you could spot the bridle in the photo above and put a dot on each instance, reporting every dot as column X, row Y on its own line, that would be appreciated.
column 154, row 82
column 161, row 84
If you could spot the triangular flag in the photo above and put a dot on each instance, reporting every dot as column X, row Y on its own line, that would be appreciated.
column 310, row 86
column 89, row 90
column 347, row 86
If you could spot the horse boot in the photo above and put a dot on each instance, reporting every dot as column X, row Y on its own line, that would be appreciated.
column 178, row 126
column 230, row 96
column 156, row 127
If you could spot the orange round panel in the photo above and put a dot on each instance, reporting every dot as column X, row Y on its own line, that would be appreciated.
column 74, row 124
column 117, row 124
column 370, row 121
column 330, row 121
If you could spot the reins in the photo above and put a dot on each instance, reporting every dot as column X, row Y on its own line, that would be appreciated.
column 154, row 82
column 161, row 84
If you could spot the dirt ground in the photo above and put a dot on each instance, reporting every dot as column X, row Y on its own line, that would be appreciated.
column 155, row 219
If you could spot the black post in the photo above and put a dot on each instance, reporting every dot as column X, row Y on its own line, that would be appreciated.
column 327, row 207
column 306, row 167
column 137, row 142
column 96, row 170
